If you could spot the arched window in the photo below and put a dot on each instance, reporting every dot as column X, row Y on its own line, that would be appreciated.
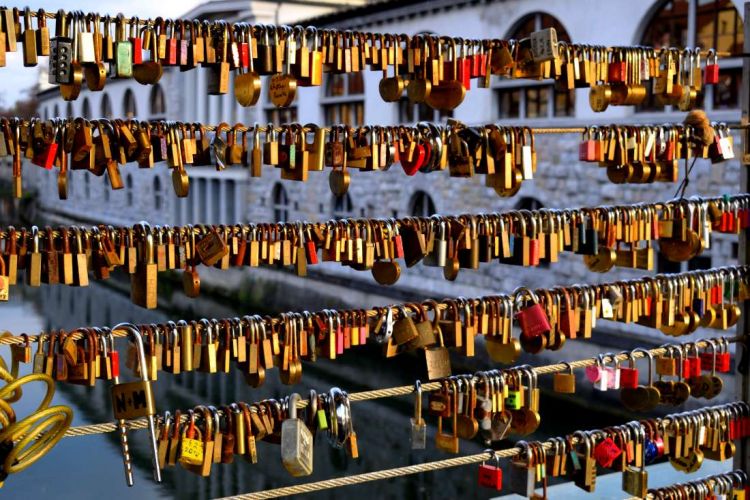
column 69, row 110
column 280, row 203
column 538, row 21
column 129, row 190
column 540, row 100
column 344, row 98
column 158, row 196
column 342, row 206
column 421, row 205
column 529, row 203
column 106, row 107
column 157, row 104
column 718, row 25
column 86, row 108
column 129, row 108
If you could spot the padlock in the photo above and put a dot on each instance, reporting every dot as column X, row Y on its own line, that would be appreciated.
column 296, row 442
column 565, row 382
column 584, row 476
column 635, row 479
column 711, row 73
column 418, row 425
column 522, row 472
column 532, row 319
column 491, row 476
column 133, row 400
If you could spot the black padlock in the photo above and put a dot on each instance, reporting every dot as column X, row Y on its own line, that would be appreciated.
column 61, row 52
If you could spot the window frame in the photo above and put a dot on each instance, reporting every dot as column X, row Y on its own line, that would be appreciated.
column 708, row 90
column 501, row 84
column 336, row 101
column 281, row 210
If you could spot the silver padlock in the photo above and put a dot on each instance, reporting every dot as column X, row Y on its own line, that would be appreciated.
column 418, row 425
column 544, row 45
column 522, row 472
column 133, row 400
column 296, row 442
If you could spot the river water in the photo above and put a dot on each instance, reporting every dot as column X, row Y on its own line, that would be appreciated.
column 91, row 466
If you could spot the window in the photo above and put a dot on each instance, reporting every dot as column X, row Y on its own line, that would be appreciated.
column 538, row 21
column 158, row 196
column 57, row 112
column 699, row 262
column 696, row 263
column 107, row 188
column 344, row 100
column 534, row 100
column 342, row 206
column 85, row 108
column 69, row 110
column 87, row 186
column 129, row 190
column 229, row 201
column 280, row 203
column 156, row 101
column 727, row 91
column 509, row 101
column 421, row 205
column 412, row 112
column 528, row 203
column 281, row 115
column 128, row 104
column 106, row 107
column 718, row 26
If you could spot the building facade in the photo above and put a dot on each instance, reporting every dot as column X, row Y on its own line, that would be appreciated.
column 231, row 196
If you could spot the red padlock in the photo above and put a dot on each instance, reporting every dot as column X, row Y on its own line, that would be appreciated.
column 567, row 317
column 417, row 160
column 491, row 476
column 629, row 376
column 531, row 316
column 618, row 69
column 711, row 75
column 606, row 452
column 136, row 41
column 464, row 69
column 45, row 158
column 587, row 147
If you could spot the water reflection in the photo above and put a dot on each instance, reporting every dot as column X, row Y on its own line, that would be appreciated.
column 88, row 467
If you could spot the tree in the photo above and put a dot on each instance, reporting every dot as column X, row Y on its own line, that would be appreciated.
column 25, row 107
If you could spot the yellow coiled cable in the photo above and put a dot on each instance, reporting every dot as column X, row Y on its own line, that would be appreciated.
column 25, row 441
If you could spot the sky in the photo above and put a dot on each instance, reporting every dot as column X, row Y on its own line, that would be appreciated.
column 15, row 79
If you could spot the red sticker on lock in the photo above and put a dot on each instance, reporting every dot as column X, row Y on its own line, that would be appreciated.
column 695, row 367
column 534, row 252
column 606, row 452
column 723, row 362
column 114, row 360
column 311, row 253
column 46, row 157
